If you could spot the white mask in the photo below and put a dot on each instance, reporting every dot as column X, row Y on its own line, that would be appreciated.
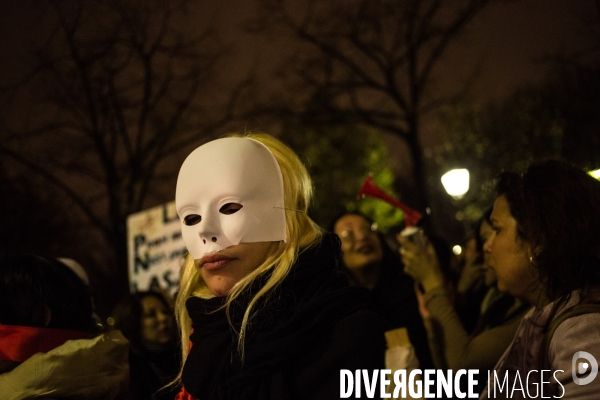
column 224, row 171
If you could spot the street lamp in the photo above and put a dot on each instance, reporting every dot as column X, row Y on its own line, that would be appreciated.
column 595, row 173
column 456, row 182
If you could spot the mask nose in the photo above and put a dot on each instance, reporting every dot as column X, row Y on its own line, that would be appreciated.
column 209, row 230
column 202, row 233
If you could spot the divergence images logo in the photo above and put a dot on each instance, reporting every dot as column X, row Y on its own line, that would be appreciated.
column 583, row 367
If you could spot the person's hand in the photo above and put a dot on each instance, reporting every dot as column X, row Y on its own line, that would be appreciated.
column 422, row 301
column 473, row 272
column 470, row 253
column 421, row 263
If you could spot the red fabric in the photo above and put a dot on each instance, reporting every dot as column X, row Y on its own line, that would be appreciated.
column 184, row 395
column 18, row 343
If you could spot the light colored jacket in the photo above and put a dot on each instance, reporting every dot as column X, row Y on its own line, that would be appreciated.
column 577, row 334
column 95, row 368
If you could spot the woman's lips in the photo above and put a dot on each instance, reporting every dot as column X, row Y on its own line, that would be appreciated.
column 365, row 249
column 212, row 262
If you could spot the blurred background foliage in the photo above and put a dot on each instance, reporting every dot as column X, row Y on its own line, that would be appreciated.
column 551, row 120
column 339, row 158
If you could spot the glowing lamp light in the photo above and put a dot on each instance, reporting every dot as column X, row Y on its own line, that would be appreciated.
column 456, row 182
column 595, row 173
column 457, row 250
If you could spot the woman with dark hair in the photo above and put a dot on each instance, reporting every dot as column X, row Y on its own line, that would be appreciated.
column 454, row 346
column 545, row 249
column 47, row 344
column 146, row 319
column 370, row 263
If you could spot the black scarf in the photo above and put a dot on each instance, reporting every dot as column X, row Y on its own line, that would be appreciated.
column 302, row 310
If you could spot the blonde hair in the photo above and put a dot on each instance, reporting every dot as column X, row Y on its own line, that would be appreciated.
column 302, row 232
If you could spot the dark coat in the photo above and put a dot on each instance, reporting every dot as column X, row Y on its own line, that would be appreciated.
column 313, row 326
column 395, row 300
column 151, row 370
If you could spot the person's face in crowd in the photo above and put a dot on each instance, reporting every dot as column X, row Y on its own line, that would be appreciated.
column 509, row 255
column 157, row 321
column 360, row 244
column 485, row 231
column 223, row 269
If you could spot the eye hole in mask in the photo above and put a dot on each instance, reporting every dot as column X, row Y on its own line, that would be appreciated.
column 230, row 208
column 192, row 219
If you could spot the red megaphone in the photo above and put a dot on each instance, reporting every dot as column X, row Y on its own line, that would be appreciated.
column 411, row 217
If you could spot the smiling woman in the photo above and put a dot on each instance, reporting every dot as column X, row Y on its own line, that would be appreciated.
column 371, row 263
column 264, row 312
column 146, row 320
column 362, row 251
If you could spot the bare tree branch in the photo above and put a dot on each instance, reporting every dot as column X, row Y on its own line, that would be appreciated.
column 115, row 93
column 65, row 188
column 373, row 60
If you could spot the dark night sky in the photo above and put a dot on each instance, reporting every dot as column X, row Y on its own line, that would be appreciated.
column 504, row 44
column 507, row 38
column 510, row 37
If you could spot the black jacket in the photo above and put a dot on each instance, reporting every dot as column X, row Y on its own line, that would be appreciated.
column 313, row 326
column 395, row 300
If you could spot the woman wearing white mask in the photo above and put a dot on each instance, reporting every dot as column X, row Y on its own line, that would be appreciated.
column 263, row 309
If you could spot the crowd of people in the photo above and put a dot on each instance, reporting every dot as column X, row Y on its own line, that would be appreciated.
column 272, row 306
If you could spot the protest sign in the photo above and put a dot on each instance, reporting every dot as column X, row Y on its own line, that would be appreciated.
column 155, row 249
